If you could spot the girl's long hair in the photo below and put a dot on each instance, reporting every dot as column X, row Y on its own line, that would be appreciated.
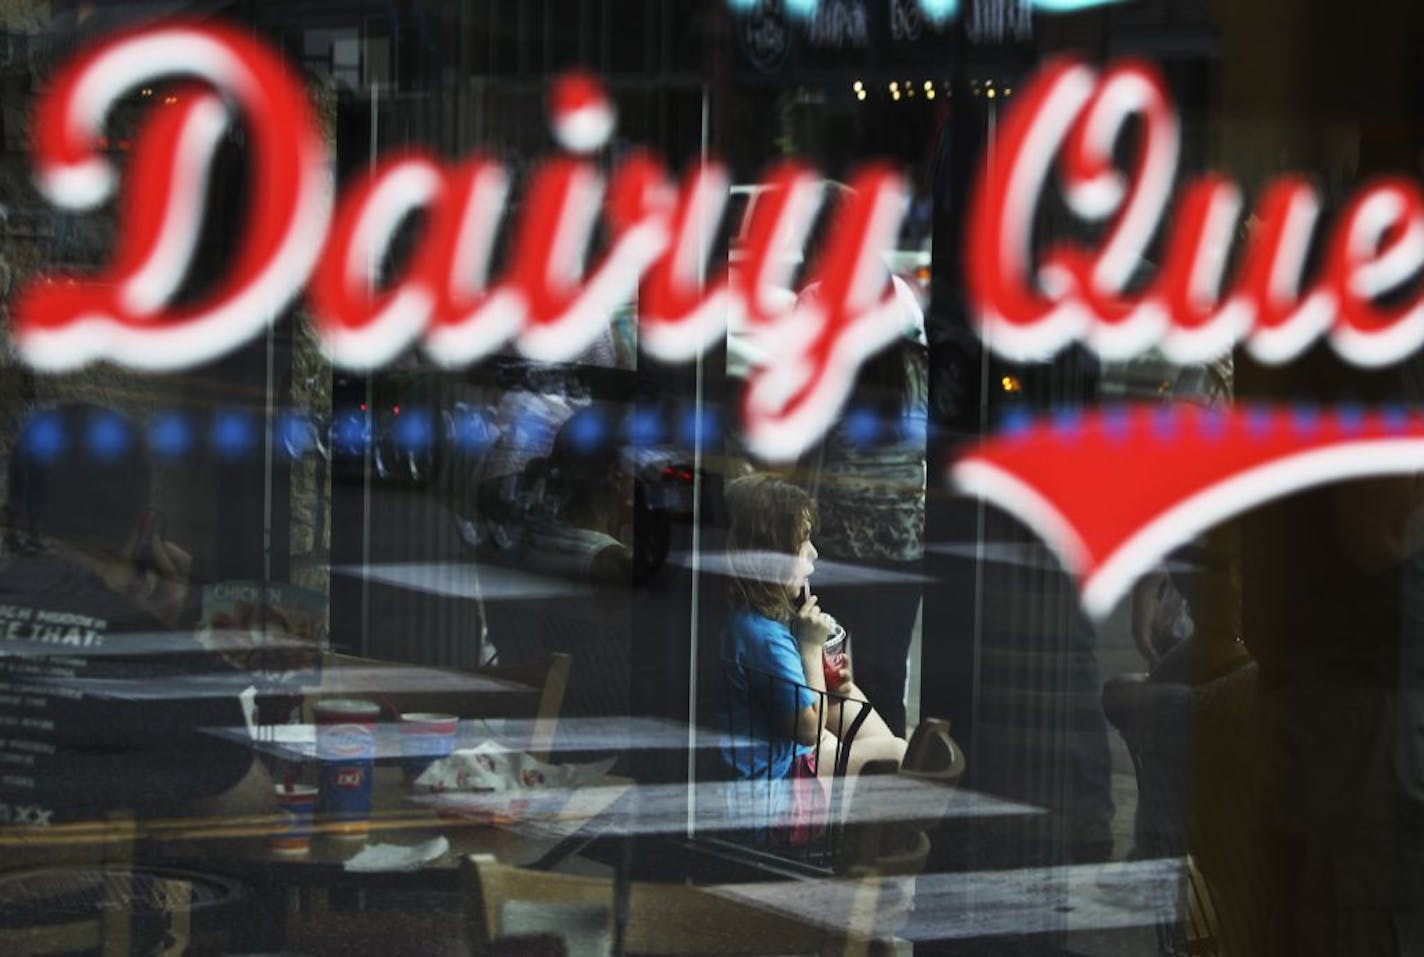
column 770, row 518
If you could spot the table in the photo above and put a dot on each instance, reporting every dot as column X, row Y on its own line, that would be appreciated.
column 585, row 735
column 301, row 886
column 400, row 817
column 358, row 680
column 987, row 905
column 485, row 581
column 718, row 807
column 352, row 680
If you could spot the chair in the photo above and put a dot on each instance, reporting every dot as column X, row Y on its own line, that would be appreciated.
column 118, row 911
column 900, row 848
column 751, row 747
column 880, row 849
column 55, row 898
column 85, row 887
column 670, row 919
column 546, row 681
column 551, row 676
column 932, row 755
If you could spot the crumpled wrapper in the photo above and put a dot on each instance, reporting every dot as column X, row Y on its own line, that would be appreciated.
column 490, row 782
column 377, row 858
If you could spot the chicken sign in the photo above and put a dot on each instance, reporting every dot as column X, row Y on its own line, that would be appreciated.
column 1110, row 491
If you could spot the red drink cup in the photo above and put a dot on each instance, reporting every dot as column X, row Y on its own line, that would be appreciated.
column 424, row 739
column 835, row 663
column 296, row 807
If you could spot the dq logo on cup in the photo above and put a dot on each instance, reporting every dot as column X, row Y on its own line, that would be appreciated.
column 346, row 745
column 350, row 778
column 346, row 741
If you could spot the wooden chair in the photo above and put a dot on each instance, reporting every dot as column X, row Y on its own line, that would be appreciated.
column 87, row 886
column 551, row 676
column 879, row 849
column 931, row 755
column 672, row 919
column 546, row 681
column 900, row 848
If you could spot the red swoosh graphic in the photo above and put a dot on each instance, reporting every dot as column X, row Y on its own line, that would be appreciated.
column 1112, row 491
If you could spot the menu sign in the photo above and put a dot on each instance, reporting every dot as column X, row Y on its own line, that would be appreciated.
column 274, row 632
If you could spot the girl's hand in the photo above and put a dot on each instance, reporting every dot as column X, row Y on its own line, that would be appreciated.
column 811, row 626
column 837, row 671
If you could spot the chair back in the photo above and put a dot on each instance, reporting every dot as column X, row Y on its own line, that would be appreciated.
column 932, row 755
column 672, row 919
column 867, row 847
column 551, row 677
column 796, row 815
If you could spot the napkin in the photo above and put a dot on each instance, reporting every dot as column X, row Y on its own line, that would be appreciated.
column 395, row 857
column 492, row 767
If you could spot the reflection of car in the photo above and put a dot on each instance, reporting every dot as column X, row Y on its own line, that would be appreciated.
column 497, row 461
column 910, row 262
column 910, row 266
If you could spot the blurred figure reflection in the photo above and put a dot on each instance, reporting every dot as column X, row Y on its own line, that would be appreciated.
column 584, row 505
column 575, row 532
column 96, row 646
column 871, row 490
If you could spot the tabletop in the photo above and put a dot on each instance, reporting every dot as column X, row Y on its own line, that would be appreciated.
column 584, row 735
column 986, row 904
column 715, row 807
column 399, row 818
column 360, row 680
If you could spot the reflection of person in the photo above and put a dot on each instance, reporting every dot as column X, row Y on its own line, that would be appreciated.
column 872, row 495
column 1325, row 580
column 95, row 642
column 870, row 483
column 527, row 419
column 573, row 537
column 585, row 507
column 1187, row 620
column 774, row 649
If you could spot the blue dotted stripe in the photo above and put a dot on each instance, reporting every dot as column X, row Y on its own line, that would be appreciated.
column 234, row 434
column 1120, row 424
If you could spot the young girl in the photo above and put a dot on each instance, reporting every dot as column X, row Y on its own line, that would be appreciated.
column 786, row 724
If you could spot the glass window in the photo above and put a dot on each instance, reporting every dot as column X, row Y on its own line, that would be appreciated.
column 1004, row 482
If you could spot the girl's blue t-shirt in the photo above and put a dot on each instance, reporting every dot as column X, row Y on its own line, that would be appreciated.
column 766, row 689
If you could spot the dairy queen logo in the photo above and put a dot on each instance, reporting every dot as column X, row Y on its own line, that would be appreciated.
column 1111, row 491
column 551, row 300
